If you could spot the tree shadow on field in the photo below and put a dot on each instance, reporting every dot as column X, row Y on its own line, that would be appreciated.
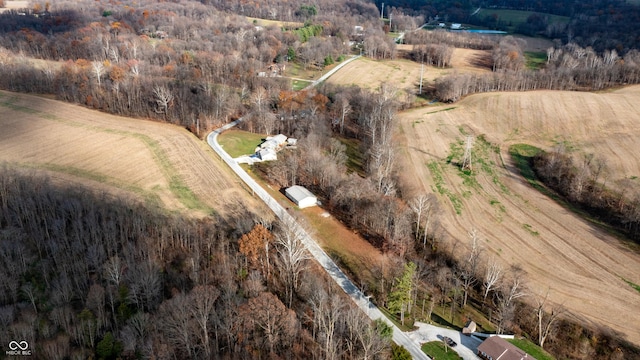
column 482, row 60
column 43, row 22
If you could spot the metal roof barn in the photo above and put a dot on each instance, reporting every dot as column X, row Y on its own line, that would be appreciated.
column 301, row 196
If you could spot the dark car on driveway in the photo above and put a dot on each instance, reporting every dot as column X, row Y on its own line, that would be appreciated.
column 449, row 341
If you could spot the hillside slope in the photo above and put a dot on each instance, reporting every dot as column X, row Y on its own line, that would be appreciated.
column 581, row 265
column 149, row 161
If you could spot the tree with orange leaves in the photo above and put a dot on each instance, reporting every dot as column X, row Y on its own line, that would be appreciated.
column 254, row 245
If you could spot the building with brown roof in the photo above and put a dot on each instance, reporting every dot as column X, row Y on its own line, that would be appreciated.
column 497, row 348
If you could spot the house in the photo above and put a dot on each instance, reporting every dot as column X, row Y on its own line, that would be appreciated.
column 497, row 348
column 267, row 154
column 301, row 196
column 267, row 151
column 456, row 26
column 273, row 142
column 469, row 328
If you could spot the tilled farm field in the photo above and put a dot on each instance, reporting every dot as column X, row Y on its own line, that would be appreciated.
column 581, row 265
column 145, row 160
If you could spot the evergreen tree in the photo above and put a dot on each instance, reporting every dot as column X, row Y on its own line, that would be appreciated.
column 400, row 297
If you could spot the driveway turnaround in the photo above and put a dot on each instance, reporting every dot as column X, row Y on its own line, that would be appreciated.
column 467, row 346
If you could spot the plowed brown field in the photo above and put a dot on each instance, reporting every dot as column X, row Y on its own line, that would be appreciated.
column 581, row 265
column 145, row 160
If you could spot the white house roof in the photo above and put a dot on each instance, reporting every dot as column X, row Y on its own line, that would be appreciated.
column 267, row 154
column 301, row 196
column 274, row 142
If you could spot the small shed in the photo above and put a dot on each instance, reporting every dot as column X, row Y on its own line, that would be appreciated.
column 301, row 196
column 469, row 328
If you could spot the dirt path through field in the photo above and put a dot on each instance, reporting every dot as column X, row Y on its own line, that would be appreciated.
column 582, row 266
column 150, row 161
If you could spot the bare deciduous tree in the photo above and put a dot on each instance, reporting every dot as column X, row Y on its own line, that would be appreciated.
column 176, row 323
column 292, row 258
column 268, row 315
column 327, row 312
column 202, row 304
column 492, row 276
column 469, row 270
column 98, row 70
column 546, row 320
column 163, row 98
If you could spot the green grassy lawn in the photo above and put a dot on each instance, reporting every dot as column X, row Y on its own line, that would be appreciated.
column 276, row 23
column 238, row 142
column 355, row 157
column 535, row 60
column 297, row 70
column 408, row 323
column 531, row 349
column 298, row 85
column 436, row 350
column 513, row 18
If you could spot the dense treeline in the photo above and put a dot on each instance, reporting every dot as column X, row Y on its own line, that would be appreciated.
column 88, row 276
column 570, row 67
column 602, row 25
column 366, row 199
column 184, row 63
column 580, row 182
column 453, row 39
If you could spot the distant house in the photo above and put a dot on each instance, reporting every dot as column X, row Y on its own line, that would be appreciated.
column 469, row 328
column 456, row 26
column 301, row 196
column 497, row 348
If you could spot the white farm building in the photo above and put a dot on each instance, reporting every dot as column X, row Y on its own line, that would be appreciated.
column 301, row 196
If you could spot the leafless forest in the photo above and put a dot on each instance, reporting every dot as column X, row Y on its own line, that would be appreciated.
column 85, row 275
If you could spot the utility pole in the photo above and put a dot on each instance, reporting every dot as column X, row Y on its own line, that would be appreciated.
column 382, row 11
column 421, row 73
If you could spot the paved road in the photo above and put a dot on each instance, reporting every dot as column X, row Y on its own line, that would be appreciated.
column 314, row 249
column 331, row 72
column 466, row 347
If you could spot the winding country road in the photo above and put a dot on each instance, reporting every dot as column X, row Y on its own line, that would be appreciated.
column 311, row 245
column 314, row 249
